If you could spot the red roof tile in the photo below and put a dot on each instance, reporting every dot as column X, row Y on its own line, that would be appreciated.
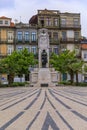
column 84, row 46
column 3, row 17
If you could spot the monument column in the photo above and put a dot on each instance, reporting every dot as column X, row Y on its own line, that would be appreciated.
column 43, row 44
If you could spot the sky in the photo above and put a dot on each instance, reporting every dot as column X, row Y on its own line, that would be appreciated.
column 22, row 10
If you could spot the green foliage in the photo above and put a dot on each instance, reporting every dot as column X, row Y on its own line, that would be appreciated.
column 65, row 82
column 18, row 84
column 74, row 84
column 17, row 64
column 15, row 84
column 63, row 61
column 85, row 68
column 59, row 62
column 82, row 84
column 67, row 62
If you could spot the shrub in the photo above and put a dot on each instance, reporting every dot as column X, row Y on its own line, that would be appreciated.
column 65, row 82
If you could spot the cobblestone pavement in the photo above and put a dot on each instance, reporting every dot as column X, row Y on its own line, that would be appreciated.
column 51, row 108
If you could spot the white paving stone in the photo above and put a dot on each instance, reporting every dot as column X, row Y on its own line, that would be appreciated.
column 49, row 109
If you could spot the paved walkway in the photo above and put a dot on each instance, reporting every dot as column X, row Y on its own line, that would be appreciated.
column 55, row 108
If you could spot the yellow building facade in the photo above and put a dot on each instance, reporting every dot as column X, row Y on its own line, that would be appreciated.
column 7, row 30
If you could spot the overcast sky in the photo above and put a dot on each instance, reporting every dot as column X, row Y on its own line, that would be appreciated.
column 24, row 9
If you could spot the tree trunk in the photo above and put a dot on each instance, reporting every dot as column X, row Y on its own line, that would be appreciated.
column 76, row 78
column 10, row 79
column 71, row 76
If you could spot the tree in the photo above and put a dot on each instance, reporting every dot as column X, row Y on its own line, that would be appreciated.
column 59, row 62
column 85, row 69
column 67, row 62
column 76, row 67
column 25, row 60
column 10, row 66
column 17, row 64
column 71, row 59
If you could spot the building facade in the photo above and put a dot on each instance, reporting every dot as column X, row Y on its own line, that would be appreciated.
column 64, row 31
column 7, row 36
column 26, row 37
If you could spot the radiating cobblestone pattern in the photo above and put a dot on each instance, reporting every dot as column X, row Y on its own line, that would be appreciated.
column 51, row 108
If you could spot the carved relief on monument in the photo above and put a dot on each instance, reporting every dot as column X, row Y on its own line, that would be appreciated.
column 43, row 39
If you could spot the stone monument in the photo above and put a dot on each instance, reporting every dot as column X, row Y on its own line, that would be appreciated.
column 43, row 76
column 43, row 46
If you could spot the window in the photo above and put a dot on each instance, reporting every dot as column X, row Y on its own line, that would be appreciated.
column 48, row 21
column 76, row 21
column 70, row 34
column 64, row 76
column 10, row 35
column 26, row 36
column 1, row 22
column 19, row 48
column 19, row 36
column 55, row 36
column 85, row 78
column 85, row 55
column 55, row 50
column 6, row 22
column 55, row 22
column 76, row 35
column 10, row 49
column 34, row 49
column 63, row 21
column 33, row 36
column 42, row 21
column 64, row 35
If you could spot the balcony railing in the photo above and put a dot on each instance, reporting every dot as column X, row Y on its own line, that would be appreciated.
column 22, row 41
column 25, row 41
column 70, row 26
column 50, row 26
column 3, row 55
column 6, row 40
column 54, row 41
column 64, row 40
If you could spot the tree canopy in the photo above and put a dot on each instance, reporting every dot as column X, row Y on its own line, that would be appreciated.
column 67, row 62
column 17, row 63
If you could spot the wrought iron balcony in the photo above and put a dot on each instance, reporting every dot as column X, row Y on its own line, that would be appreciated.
column 25, row 41
column 48, row 27
column 54, row 41
column 6, row 40
column 70, row 40
column 22, row 41
column 3, row 55
column 70, row 26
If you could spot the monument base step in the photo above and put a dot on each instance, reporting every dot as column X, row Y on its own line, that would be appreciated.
column 44, row 77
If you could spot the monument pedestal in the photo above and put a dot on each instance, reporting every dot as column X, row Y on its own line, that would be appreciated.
column 44, row 77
